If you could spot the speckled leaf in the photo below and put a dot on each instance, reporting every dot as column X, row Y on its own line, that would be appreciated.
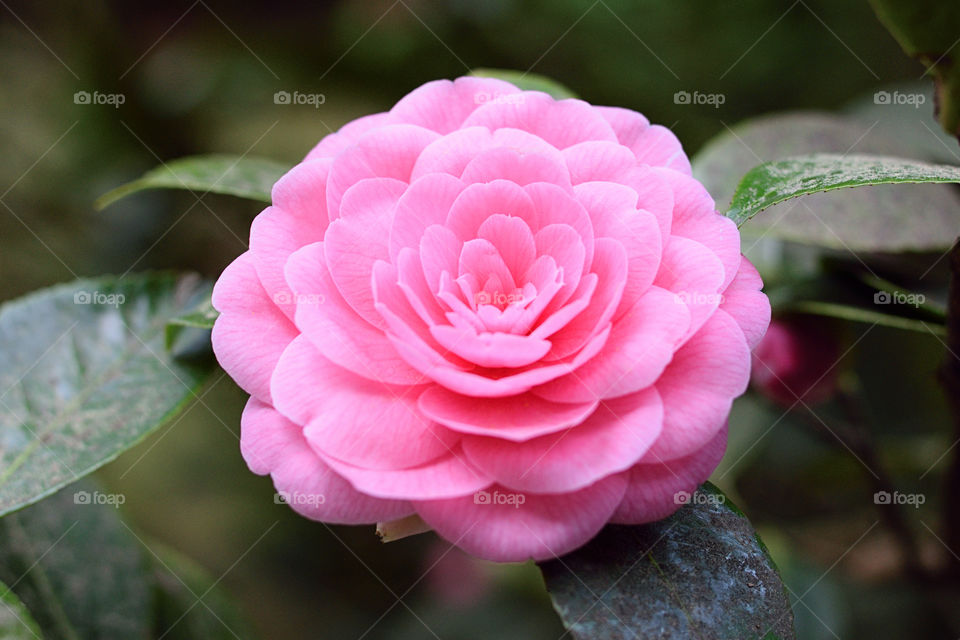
column 701, row 573
column 85, row 375
column 927, row 30
column 723, row 161
column 76, row 568
column 774, row 182
column 16, row 623
column 245, row 177
column 180, row 613
column 527, row 81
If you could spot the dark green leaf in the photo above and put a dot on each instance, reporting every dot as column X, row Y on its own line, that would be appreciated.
column 527, row 81
column 85, row 375
column 16, row 623
column 245, row 177
column 76, row 567
column 190, row 604
column 848, row 219
column 927, row 30
column 774, row 182
column 701, row 573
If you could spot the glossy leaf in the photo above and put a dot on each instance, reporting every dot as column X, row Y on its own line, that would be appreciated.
column 76, row 567
column 847, row 219
column 774, row 182
column 85, row 375
column 16, row 623
column 701, row 573
column 245, row 177
column 527, row 81
column 200, row 317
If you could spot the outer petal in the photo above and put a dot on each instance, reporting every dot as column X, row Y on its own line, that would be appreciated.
column 348, row 134
column 654, row 490
column 387, row 433
column 748, row 305
column 699, row 386
column 272, row 444
column 543, row 526
column 612, row 439
column 442, row 105
column 251, row 332
column 653, row 144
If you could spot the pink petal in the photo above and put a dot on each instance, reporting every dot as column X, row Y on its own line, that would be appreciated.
column 272, row 444
column 251, row 332
column 653, row 144
column 426, row 202
column 612, row 439
column 448, row 476
column 388, row 152
column 513, row 241
column 519, row 167
column 640, row 347
column 443, row 105
column 480, row 201
column 492, row 526
column 334, row 327
column 515, row 418
column 333, row 144
column 357, row 240
column 494, row 350
column 451, row 153
column 389, row 432
column 657, row 489
column 561, row 123
column 692, row 271
column 596, row 160
column 654, row 194
column 747, row 304
column 699, row 386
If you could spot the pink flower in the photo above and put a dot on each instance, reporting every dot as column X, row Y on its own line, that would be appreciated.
column 795, row 363
column 517, row 317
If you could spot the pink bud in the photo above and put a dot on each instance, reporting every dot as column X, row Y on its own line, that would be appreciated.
column 796, row 361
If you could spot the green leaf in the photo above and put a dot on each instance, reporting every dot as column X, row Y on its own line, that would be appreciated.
column 774, row 182
column 848, row 219
column 16, row 623
column 867, row 316
column 85, row 375
column 701, row 573
column 76, row 567
column 927, row 30
column 190, row 604
column 527, row 81
column 200, row 317
column 245, row 177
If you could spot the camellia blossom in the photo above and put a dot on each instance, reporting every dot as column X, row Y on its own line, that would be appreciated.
column 796, row 362
column 519, row 318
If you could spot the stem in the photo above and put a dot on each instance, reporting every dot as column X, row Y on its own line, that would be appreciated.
column 950, row 381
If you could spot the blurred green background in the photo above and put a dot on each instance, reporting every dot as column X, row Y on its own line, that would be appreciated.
column 200, row 77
